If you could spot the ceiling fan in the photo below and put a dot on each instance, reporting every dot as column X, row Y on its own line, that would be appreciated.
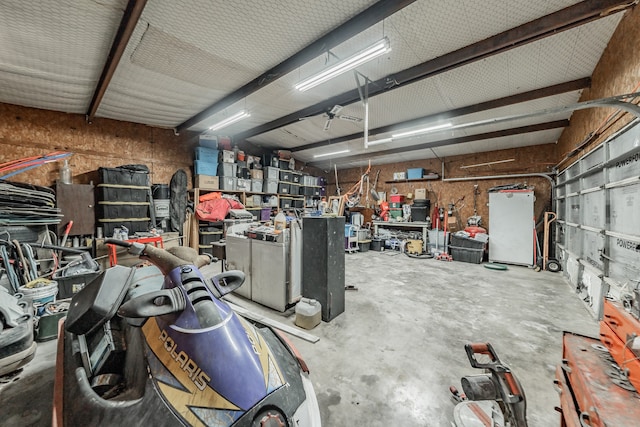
column 334, row 113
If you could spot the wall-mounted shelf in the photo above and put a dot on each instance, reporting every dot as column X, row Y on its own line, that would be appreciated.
column 404, row 181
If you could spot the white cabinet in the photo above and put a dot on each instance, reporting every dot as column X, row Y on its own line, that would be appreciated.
column 269, row 268
column 238, row 257
column 511, row 227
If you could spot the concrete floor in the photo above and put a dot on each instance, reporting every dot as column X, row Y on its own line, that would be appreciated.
column 390, row 358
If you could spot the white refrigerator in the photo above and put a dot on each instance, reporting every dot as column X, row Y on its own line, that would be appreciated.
column 512, row 227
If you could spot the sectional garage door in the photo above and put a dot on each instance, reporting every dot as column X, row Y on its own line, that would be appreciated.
column 598, row 228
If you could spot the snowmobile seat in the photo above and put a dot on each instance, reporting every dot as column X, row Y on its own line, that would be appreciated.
column 99, row 300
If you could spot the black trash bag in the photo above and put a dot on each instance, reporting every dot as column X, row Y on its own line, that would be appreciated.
column 178, row 200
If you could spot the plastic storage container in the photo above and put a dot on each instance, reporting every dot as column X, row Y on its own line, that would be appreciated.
column 140, row 194
column 228, row 183
column 124, row 176
column 418, row 213
column 271, row 173
column 71, row 285
column 123, row 210
column 461, row 241
column 243, row 184
column 308, row 313
column 285, row 175
column 208, row 141
column 470, row 255
column 207, row 154
column 295, row 190
column 270, row 186
column 415, row 173
column 284, row 187
column 364, row 245
column 227, row 169
column 286, row 202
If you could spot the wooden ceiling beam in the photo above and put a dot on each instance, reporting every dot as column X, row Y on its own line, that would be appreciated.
column 444, row 142
column 545, row 26
column 374, row 14
column 128, row 24
column 544, row 92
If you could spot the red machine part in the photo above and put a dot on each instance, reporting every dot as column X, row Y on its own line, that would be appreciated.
column 567, row 406
column 600, row 401
column 618, row 331
column 473, row 230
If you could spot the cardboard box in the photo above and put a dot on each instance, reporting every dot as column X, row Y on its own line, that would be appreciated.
column 207, row 182
column 256, row 174
column 420, row 193
column 399, row 176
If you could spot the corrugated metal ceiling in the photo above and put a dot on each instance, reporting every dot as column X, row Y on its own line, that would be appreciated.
column 183, row 57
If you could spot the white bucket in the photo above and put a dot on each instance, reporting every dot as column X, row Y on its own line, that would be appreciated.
column 42, row 294
column 161, row 208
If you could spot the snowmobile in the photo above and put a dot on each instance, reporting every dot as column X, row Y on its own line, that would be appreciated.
column 493, row 398
column 158, row 346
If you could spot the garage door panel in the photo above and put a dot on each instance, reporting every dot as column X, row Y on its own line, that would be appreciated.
column 593, row 180
column 624, row 266
column 561, row 209
column 598, row 204
column 593, row 248
column 573, row 240
column 625, row 143
column 573, row 209
column 593, row 211
column 624, row 209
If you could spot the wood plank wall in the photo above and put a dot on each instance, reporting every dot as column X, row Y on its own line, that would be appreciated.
column 534, row 159
column 28, row 132
column 617, row 72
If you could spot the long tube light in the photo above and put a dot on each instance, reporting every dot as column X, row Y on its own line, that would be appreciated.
column 230, row 120
column 380, row 141
column 421, row 131
column 488, row 163
column 330, row 154
column 379, row 48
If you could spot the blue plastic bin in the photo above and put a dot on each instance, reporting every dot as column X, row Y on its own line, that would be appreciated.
column 205, row 168
column 415, row 173
column 207, row 154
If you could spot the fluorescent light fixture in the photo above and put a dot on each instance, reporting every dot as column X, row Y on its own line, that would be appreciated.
column 488, row 163
column 380, row 141
column 230, row 120
column 380, row 48
column 330, row 154
column 421, row 131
